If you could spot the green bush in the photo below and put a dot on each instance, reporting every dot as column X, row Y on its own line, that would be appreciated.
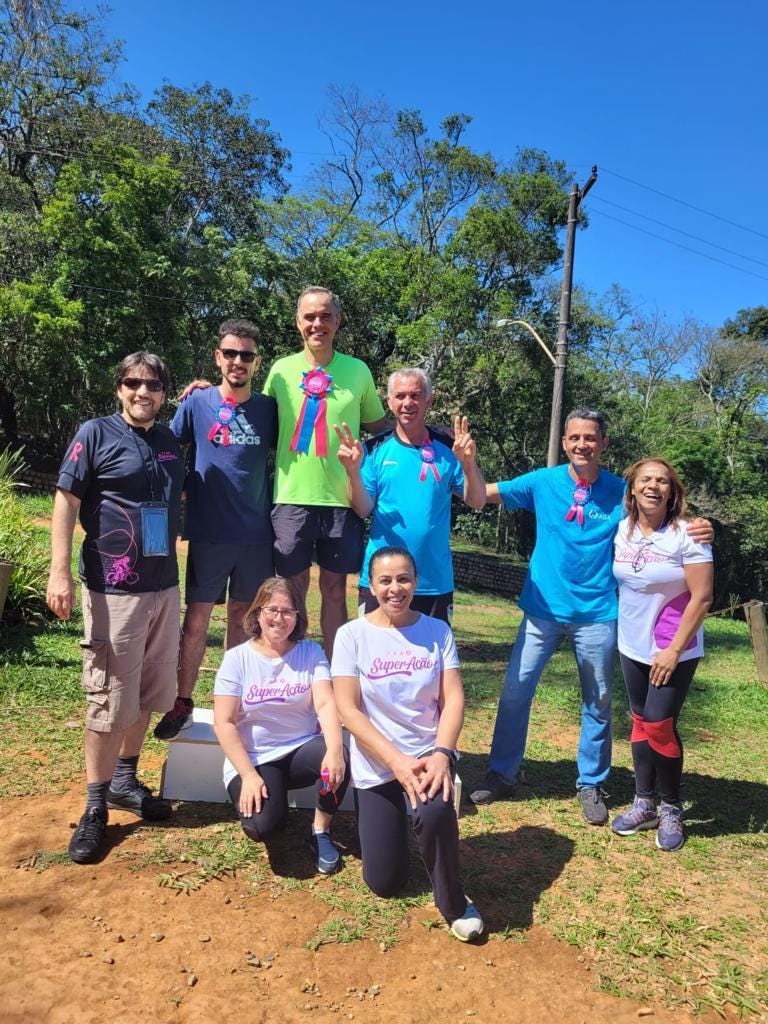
column 21, row 544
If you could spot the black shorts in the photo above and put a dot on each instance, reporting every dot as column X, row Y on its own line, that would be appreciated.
column 333, row 534
column 437, row 606
column 211, row 566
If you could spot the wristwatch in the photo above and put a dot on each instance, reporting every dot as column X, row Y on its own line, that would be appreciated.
column 452, row 755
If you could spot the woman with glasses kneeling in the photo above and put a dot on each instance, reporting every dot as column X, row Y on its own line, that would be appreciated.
column 665, row 589
column 270, row 694
column 399, row 692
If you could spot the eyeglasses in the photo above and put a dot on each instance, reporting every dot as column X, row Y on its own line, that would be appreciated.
column 284, row 613
column 134, row 383
column 232, row 353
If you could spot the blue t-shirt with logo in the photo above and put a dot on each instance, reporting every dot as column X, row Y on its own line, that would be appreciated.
column 228, row 486
column 570, row 577
column 413, row 506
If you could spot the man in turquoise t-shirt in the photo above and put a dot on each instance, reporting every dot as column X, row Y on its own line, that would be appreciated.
column 569, row 593
column 317, row 389
column 406, row 477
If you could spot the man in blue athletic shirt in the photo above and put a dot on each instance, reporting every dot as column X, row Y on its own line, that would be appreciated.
column 230, row 431
column 406, row 477
column 569, row 593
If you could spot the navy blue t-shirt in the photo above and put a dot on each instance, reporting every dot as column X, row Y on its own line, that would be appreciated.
column 113, row 468
column 228, row 487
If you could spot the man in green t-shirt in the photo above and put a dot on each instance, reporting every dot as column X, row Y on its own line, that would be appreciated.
column 315, row 390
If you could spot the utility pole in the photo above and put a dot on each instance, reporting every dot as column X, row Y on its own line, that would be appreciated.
column 564, row 319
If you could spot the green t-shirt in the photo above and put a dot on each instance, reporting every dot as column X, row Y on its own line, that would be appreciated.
column 307, row 479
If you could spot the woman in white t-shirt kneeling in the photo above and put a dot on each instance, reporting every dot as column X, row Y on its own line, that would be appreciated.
column 399, row 692
column 665, row 589
column 272, row 698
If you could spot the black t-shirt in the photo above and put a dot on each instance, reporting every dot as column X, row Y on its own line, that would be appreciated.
column 114, row 468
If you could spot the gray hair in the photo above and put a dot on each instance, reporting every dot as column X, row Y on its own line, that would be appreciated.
column 410, row 371
column 587, row 414
column 316, row 289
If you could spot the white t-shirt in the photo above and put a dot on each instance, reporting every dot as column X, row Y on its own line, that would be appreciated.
column 276, row 707
column 654, row 594
column 399, row 672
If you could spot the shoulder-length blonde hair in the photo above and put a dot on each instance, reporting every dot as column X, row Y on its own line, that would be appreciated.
column 676, row 507
column 267, row 590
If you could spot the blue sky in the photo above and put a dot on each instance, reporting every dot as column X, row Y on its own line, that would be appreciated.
column 670, row 95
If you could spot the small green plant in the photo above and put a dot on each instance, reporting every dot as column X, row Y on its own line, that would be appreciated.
column 21, row 544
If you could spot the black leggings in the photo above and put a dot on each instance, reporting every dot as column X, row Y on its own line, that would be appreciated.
column 382, row 821
column 296, row 770
column 657, row 750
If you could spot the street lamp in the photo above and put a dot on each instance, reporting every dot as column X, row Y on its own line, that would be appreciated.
column 554, row 426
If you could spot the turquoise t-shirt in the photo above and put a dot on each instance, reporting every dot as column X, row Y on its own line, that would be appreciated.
column 409, row 511
column 570, row 577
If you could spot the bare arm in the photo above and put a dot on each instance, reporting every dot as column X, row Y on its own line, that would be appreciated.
column 698, row 577
column 451, row 700
column 60, row 595
column 226, row 710
column 328, row 716
column 492, row 496
column 407, row 770
column 379, row 426
column 465, row 450
column 350, row 455
column 701, row 530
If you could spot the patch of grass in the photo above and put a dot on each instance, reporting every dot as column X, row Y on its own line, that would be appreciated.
column 36, row 506
column 359, row 914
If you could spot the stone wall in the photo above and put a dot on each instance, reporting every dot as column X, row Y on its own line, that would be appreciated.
column 484, row 572
column 37, row 482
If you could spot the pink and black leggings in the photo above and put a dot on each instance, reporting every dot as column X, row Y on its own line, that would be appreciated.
column 657, row 750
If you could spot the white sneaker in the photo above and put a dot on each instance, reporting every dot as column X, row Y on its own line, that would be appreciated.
column 469, row 926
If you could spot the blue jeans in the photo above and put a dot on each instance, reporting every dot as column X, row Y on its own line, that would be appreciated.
column 594, row 645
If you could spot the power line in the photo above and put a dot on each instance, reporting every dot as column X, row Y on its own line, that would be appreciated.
column 680, row 231
column 683, row 202
column 679, row 245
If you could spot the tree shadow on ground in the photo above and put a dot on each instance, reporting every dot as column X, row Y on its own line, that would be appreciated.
column 509, row 871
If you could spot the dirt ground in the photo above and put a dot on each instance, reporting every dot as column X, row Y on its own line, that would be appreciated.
column 89, row 943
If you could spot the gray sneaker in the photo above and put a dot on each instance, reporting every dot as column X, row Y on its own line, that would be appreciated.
column 641, row 815
column 493, row 787
column 592, row 800
column 670, row 836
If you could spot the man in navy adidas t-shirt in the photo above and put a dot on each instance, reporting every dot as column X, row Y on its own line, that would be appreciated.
column 229, row 430
column 406, row 477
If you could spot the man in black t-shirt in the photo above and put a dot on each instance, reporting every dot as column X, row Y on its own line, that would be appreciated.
column 123, row 474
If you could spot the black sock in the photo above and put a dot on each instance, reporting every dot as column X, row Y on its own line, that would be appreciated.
column 97, row 795
column 124, row 775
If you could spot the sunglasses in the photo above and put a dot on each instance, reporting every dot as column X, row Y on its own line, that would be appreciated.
column 134, row 383
column 232, row 353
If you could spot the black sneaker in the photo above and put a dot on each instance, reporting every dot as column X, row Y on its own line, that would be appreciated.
column 139, row 801
column 493, row 787
column 173, row 721
column 86, row 844
column 592, row 800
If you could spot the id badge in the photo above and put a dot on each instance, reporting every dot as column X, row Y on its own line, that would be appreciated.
column 154, row 528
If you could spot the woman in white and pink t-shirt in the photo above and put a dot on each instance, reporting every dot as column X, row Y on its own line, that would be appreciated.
column 272, row 698
column 399, row 692
column 665, row 589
